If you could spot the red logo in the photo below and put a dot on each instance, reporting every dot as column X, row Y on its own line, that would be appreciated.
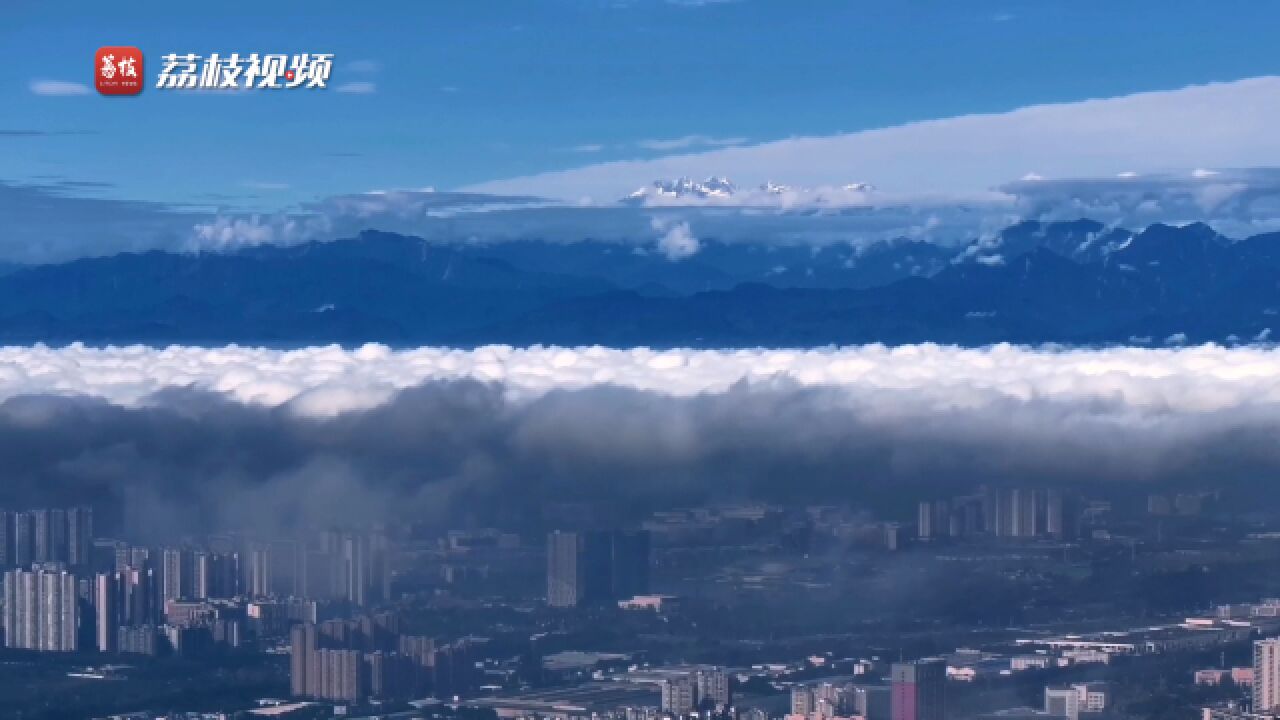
column 118, row 70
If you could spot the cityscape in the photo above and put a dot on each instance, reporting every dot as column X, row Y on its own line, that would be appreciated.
column 1020, row 602
column 640, row 360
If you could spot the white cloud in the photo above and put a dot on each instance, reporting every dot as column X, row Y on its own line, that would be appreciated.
column 689, row 141
column 223, row 233
column 1218, row 125
column 265, row 185
column 58, row 88
column 677, row 241
column 357, row 88
column 326, row 380
column 587, row 148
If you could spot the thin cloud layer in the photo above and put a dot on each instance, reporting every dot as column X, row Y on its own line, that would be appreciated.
column 1174, row 157
column 1204, row 126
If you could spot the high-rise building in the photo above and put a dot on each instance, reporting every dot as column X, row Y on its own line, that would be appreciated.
column 713, row 688
column 23, row 539
column 224, row 575
column 259, row 571
column 58, row 610
column 590, row 568
column 918, row 690
column 175, row 581
column 19, row 609
column 6, row 538
column 79, row 536
column 41, row 609
column 562, row 569
column 40, row 535
column 354, row 568
column 802, row 700
column 58, row 536
column 1266, row 675
column 420, row 652
column 832, row 699
column 572, row 573
column 679, row 695
column 345, row 681
column 139, row 639
column 1022, row 506
column 106, row 609
column 358, row 567
column 924, row 520
column 141, row 595
column 872, row 702
column 303, row 674
column 201, row 575
column 1062, row 702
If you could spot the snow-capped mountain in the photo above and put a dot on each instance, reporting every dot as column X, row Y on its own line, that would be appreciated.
column 712, row 187
column 1081, row 241
column 721, row 188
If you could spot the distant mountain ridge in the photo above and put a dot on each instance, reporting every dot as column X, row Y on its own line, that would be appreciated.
column 1074, row 282
column 720, row 188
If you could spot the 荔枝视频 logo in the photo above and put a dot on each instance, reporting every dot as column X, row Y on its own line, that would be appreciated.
column 117, row 70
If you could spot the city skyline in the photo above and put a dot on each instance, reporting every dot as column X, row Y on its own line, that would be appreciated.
column 640, row 360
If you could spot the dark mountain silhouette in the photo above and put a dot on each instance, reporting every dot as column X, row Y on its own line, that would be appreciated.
column 1076, row 282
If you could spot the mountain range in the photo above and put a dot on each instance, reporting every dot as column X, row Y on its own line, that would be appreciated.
column 722, row 188
column 1072, row 282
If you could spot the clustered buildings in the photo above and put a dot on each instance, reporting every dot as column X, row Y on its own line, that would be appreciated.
column 916, row 691
column 697, row 690
column 1002, row 512
column 1263, row 682
column 369, row 657
column 65, row 590
column 596, row 567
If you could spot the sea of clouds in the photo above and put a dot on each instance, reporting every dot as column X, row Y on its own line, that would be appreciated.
column 252, row 437
column 325, row 381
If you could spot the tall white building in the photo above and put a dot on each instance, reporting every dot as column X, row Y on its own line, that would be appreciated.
column 176, row 568
column 1062, row 702
column 259, row 575
column 106, row 608
column 41, row 611
column 202, row 575
column 1266, row 675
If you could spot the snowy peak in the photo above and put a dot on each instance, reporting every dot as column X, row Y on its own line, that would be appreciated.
column 1081, row 241
column 712, row 187
column 720, row 188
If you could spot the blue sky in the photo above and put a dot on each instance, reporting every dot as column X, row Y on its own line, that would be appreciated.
column 469, row 92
